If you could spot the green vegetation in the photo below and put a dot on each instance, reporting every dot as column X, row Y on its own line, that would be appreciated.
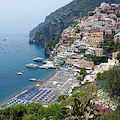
column 118, row 56
column 80, row 78
column 34, row 111
column 84, row 111
column 52, row 43
column 62, row 98
column 83, row 50
column 101, row 76
column 109, row 46
column 83, row 71
column 104, row 12
column 79, row 94
column 74, row 107
column 96, row 59
column 118, row 15
column 75, row 88
column 113, row 81
column 113, row 115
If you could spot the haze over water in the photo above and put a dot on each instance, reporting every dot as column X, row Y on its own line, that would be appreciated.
column 15, row 52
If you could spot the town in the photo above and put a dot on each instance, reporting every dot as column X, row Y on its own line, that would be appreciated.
column 88, row 38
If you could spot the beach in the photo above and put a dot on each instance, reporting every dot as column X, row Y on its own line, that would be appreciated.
column 59, row 83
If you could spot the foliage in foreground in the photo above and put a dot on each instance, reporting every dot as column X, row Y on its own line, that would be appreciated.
column 82, row 109
column 33, row 111
column 113, row 81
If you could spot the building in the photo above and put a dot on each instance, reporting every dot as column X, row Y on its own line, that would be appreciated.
column 117, row 37
column 114, row 55
column 95, row 51
column 95, row 39
column 67, row 53
column 85, row 64
column 108, row 32
column 90, row 52
column 98, row 51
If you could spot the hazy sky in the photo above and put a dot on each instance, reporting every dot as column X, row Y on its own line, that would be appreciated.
column 20, row 16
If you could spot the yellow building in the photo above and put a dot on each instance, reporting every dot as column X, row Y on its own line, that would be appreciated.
column 114, row 55
column 95, row 39
column 99, row 52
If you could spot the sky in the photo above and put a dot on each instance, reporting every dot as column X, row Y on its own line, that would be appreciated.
column 21, row 16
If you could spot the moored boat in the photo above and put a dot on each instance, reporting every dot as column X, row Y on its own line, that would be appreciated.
column 19, row 73
column 31, row 65
column 38, row 59
column 32, row 79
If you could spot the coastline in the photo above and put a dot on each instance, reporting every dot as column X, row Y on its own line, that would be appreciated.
column 44, row 80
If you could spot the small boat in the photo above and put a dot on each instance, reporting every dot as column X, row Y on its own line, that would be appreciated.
column 31, row 65
column 19, row 73
column 32, row 79
column 5, row 39
column 35, row 80
column 38, row 59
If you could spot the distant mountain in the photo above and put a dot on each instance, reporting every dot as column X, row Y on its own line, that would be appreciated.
column 57, row 21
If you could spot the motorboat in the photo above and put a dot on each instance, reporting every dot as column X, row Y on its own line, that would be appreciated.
column 31, row 65
column 32, row 79
column 5, row 39
column 19, row 73
column 38, row 59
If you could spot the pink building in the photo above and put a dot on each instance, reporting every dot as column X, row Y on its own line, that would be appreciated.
column 97, row 17
column 87, row 64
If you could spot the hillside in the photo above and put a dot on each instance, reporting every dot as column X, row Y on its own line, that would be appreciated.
column 57, row 21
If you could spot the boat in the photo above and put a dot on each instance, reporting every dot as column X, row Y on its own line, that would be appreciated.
column 35, row 80
column 38, row 59
column 32, row 79
column 5, row 39
column 31, row 65
column 19, row 73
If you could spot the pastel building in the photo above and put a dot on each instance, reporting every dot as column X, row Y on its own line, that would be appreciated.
column 117, row 37
column 95, row 39
column 95, row 51
column 83, row 63
column 67, row 53
column 99, row 52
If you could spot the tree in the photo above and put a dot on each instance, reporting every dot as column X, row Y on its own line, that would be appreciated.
column 113, row 81
column 83, row 71
column 112, row 85
column 118, row 47
column 101, row 76
column 80, row 78
column 118, row 56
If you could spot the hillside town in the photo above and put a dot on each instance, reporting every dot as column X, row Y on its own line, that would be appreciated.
column 87, row 37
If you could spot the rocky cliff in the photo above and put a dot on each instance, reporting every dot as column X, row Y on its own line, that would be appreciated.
column 57, row 21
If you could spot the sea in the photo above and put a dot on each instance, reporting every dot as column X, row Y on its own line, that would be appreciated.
column 15, row 53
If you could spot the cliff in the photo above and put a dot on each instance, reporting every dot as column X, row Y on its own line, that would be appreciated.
column 57, row 21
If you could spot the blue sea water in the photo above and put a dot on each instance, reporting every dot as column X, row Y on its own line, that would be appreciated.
column 15, row 52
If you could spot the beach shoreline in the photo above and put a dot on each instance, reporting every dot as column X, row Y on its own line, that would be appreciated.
column 44, row 80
